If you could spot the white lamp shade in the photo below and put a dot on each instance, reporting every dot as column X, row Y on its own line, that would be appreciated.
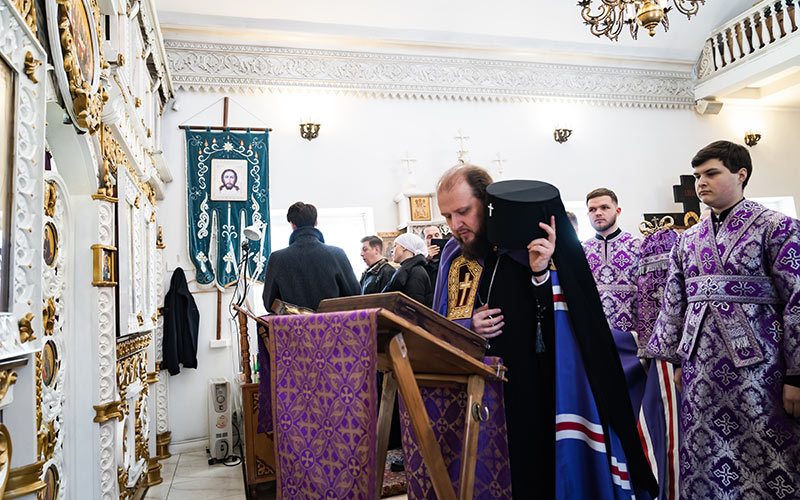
column 253, row 232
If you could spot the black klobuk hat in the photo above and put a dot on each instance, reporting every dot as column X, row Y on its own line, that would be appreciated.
column 515, row 210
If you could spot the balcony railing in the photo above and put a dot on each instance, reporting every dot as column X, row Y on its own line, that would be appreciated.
column 747, row 35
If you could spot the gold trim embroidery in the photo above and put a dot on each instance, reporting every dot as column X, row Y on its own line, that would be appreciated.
column 461, row 294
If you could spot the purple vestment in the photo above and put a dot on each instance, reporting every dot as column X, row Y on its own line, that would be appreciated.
column 731, row 317
column 325, row 404
column 653, row 267
column 615, row 267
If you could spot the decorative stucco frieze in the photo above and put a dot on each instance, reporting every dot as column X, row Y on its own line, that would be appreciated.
column 217, row 66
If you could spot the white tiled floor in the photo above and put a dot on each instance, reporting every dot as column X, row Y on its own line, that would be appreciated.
column 189, row 477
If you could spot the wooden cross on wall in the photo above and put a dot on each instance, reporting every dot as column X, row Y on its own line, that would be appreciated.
column 685, row 193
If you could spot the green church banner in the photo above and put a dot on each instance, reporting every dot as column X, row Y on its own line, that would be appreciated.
column 227, row 181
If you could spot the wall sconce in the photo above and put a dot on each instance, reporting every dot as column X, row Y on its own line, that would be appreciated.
column 751, row 138
column 561, row 135
column 309, row 131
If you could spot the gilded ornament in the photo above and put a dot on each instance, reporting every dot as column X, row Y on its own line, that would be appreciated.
column 49, row 316
column 160, row 239
column 24, row 480
column 26, row 329
column 152, row 216
column 153, row 318
column 154, row 472
column 140, row 319
column 137, row 201
column 5, row 457
column 137, row 102
column 28, row 12
column 690, row 219
column 130, row 346
column 152, row 377
column 31, row 64
column 7, row 379
column 87, row 104
column 39, row 364
column 122, row 479
column 162, row 445
column 108, row 411
column 46, row 441
column 652, row 227
column 120, row 59
column 50, row 197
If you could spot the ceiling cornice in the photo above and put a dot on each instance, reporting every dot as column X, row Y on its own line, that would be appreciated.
column 199, row 65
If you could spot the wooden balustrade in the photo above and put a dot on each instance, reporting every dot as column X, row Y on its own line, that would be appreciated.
column 747, row 35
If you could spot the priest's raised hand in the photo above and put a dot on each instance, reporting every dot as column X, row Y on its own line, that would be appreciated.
column 540, row 251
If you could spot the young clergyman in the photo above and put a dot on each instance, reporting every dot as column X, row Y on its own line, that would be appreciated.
column 731, row 320
column 613, row 257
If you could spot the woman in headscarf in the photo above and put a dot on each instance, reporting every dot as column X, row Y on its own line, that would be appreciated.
column 410, row 251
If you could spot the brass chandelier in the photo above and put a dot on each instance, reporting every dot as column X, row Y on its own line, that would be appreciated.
column 608, row 17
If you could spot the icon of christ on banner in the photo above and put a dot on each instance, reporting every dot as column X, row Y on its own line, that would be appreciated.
column 229, row 180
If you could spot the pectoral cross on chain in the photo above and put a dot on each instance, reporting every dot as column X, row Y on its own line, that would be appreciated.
column 490, row 207
column 463, row 289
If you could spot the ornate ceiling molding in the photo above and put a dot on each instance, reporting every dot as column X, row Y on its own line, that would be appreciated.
column 234, row 67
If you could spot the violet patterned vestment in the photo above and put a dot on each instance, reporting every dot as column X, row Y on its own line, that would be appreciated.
column 653, row 273
column 731, row 317
column 615, row 265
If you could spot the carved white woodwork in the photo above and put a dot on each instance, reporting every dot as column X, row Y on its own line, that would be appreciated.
column 54, row 287
column 199, row 65
column 107, row 357
column 162, row 406
column 106, row 311
column 109, row 486
column 28, row 105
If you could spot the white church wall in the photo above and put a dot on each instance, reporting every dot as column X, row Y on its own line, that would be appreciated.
column 356, row 162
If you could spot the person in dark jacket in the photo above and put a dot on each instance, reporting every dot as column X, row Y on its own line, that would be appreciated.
column 431, row 233
column 308, row 270
column 379, row 271
column 409, row 251
column 181, row 323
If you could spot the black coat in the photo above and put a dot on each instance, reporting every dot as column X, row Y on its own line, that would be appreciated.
column 376, row 277
column 412, row 280
column 181, row 323
column 308, row 271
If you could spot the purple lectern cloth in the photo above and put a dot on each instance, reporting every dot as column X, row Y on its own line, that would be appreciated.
column 325, row 404
column 446, row 407
column 264, row 390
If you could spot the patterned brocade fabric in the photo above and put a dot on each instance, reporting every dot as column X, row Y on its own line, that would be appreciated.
column 615, row 267
column 736, row 340
column 446, row 408
column 324, row 391
column 653, row 267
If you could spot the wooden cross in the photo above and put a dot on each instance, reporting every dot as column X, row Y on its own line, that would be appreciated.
column 408, row 161
column 462, row 153
column 685, row 193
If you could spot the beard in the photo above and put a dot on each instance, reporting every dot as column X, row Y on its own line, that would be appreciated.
column 605, row 225
column 477, row 248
